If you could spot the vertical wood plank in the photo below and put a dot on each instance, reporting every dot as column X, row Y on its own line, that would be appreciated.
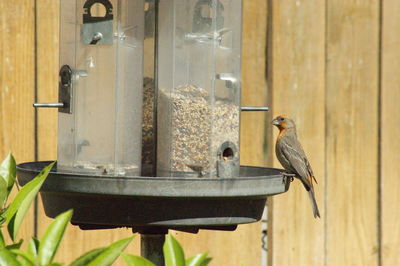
column 243, row 246
column 17, row 79
column 17, row 86
column 254, row 83
column 296, row 78
column 352, row 132
column 47, row 76
column 390, row 134
column 76, row 241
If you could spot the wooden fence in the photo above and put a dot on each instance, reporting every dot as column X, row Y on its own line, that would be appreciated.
column 333, row 66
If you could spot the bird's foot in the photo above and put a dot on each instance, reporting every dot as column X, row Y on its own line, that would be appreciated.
column 291, row 176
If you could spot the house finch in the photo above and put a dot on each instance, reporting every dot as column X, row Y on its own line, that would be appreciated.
column 292, row 157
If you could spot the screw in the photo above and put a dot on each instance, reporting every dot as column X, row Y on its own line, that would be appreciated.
column 96, row 37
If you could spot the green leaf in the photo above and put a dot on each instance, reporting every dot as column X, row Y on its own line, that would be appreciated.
column 3, row 192
column 52, row 238
column 24, row 262
column 8, row 171
column 33, row 247
column 108, row 256
column 2, row 218
column 86, row 258
column 20, row 205
column 197, row 260
column 206, row 262
column 173, row 252
column 8, row 258
column 24, row 257
column 132, row 260
column 2, row 241
column 15, row 245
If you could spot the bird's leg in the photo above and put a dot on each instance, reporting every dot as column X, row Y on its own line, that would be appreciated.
column 292, row 176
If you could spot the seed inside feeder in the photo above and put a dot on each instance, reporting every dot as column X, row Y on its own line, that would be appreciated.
column 148, row 137
column 192, row 129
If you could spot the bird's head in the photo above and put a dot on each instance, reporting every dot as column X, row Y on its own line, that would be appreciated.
column 283, row 122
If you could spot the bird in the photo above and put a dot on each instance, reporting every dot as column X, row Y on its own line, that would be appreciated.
column 292, row 157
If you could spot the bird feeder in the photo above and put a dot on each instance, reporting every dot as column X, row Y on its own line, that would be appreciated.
column 149, row 118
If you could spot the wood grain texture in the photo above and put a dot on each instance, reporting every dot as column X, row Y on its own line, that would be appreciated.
column 352, row 132
column 390, row 134
column 17, row 79
column 47, row 76
column 296, row 77
column 254, row 83
column 17, row 87
column 243, row 246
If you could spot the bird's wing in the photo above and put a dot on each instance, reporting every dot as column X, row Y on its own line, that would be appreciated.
column 282, row 158
column 294, row 153
column 310, row 171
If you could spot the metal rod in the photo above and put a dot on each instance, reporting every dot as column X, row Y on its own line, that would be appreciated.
column 254, row 108
column 151, row 248
column 48, row 105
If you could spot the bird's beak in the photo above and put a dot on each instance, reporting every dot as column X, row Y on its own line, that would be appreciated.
column 275, row 122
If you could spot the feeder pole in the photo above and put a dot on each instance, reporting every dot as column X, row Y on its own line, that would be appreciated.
column 151, row 247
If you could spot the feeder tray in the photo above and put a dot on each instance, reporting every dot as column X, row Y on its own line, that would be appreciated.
column 186, row 204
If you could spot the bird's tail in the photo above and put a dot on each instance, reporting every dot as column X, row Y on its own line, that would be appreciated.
column 314, row 203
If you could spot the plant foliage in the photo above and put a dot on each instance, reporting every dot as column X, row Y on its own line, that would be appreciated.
column 42, row 252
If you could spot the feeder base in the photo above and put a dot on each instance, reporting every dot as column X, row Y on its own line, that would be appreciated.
column 186, row 204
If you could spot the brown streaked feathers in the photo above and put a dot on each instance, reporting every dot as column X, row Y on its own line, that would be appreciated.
column 291, row 155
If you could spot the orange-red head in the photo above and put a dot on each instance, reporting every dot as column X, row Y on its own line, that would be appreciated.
column 283, row 122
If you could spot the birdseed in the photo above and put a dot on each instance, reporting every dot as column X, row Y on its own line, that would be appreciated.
column 191, row 130
column 148, row 137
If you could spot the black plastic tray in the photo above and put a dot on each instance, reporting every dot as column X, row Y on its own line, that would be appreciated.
column 168, row 202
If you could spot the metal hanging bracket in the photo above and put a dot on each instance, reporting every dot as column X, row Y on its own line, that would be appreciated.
column 97, row 30
column 64, row 92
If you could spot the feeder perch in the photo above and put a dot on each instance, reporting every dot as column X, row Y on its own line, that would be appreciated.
column 149, row 118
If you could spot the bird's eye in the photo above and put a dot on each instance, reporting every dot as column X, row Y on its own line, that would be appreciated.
column 281, row 119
